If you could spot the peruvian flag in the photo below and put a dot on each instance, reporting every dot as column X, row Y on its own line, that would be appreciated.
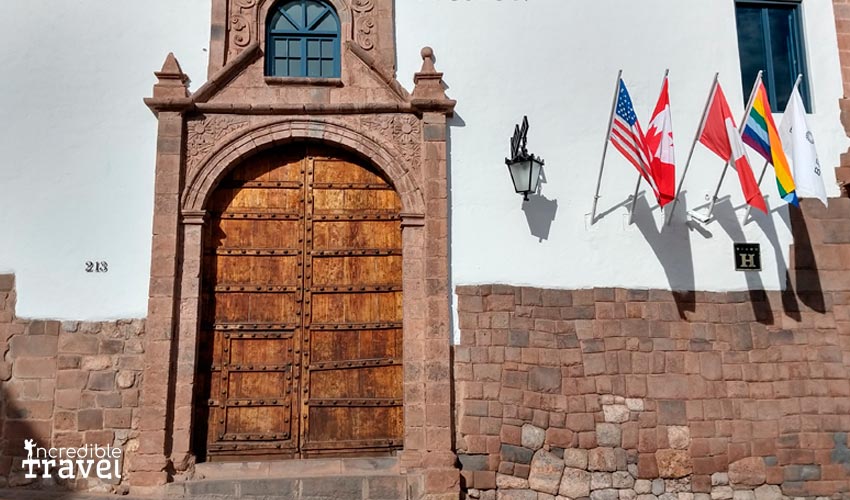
column 659, row 141
column 720, row 135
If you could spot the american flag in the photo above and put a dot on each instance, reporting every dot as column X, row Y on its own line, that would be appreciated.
column 628, row 138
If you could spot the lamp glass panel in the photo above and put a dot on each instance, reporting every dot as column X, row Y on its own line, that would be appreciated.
column 521, row 174
column 535, row 175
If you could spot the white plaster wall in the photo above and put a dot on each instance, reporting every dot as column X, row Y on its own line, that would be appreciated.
column 557, row 61
column 78, row 146
column 76, row 173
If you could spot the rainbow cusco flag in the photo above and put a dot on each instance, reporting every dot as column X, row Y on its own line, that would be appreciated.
column 760, row 134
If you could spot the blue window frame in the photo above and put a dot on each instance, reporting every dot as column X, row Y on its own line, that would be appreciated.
column 770, row 38
column 302, row 40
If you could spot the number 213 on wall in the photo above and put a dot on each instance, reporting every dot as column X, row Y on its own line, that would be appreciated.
column 97, row 267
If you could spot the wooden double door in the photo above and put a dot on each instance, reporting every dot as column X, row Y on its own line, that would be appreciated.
column 301, row 331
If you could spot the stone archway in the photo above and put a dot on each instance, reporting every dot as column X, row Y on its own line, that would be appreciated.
column 201, row 138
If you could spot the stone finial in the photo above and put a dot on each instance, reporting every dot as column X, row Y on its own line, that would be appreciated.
column 427, row 54
column 429, row 90
column 172, row 82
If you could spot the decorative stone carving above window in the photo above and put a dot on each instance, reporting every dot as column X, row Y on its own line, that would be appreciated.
column 364, row 23
column 242, row 24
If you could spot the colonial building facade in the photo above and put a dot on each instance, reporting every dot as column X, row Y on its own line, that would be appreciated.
column 316, row 327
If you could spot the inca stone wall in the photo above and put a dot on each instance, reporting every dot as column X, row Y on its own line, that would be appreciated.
column 646, row 394
column 65, row 385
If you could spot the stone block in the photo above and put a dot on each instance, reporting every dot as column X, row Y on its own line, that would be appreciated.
column 722, row 493
column 34, row 367
column 89, row 420
column 628, row 495
column 672, row 413
column 602, row 460
column 516, row 495
column 617, row 413
column 506, row 482
column 621, row 480
column 125, row 379
column 575, row 483
column 608, row 434
column 634, row 404
column 544, row 379
column 331, row 487
column 95, row 363
column 575, row 458
column 719, row 479
column 516, row 454
column 102, row 381
column 532, row 437
column 545, row 474
column 674, row 463
column 386, row 487
column 601, row 480
column 606, row 494
column 33, row 346
column 643, row 486
column 472, row 462
column 678, row 437
column 749, row 471
column 77, row 343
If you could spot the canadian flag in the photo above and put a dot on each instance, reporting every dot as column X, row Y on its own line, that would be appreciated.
column 720, row 135
column 659, row 141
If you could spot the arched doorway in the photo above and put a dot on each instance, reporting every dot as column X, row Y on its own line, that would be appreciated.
column 300, row 341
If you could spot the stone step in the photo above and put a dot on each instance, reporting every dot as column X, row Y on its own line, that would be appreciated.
column 313, row 479
column 357, row 487
column 314, row 467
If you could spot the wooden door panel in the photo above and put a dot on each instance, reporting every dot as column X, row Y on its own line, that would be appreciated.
column 241, row 233
column 335, row 345
column 353, row 428
column 363, row 382
column 355, row 234
column 356, row 271
column 356, row 307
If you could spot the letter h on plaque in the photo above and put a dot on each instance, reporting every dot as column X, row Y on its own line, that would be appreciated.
column 747, row 257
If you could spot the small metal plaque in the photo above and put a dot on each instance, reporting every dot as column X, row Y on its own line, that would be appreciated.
column 747, row 257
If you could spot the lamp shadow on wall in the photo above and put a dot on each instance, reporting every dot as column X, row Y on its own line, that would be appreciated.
column 671, row 245
column 540, row 211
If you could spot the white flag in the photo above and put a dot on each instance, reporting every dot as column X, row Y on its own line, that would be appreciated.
column 800, row 143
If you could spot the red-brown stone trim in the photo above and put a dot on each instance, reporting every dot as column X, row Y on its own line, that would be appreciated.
column 288, row 130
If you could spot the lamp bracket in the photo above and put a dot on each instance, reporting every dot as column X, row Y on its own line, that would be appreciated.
column 519, row 141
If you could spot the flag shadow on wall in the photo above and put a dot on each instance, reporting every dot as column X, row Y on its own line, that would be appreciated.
column 540, row 211
column 672, row 247
column 726, row 216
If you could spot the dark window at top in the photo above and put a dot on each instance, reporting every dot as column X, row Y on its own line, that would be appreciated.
column 770, row 38
column 303, row 40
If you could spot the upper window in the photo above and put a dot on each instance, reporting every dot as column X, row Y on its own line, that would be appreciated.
column 770, row 39
column 303, row 40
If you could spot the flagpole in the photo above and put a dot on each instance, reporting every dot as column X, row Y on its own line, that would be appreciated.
column 605, row 150
column 741, row 128
column 640, row 177
column 764, row 168
column 694, row 145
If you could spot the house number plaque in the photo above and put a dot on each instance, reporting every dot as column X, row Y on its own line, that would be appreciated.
column 97, row 266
